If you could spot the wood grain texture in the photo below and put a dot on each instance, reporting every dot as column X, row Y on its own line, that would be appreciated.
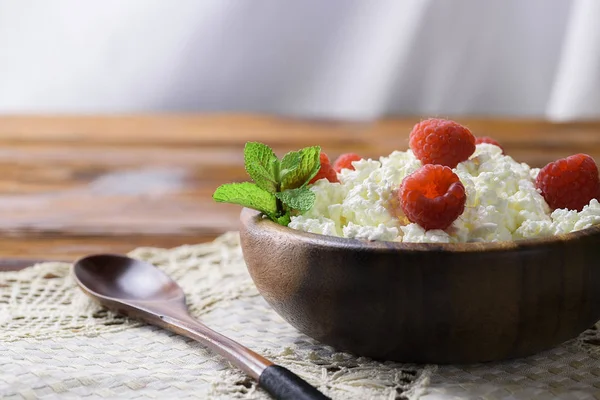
column 71, row 186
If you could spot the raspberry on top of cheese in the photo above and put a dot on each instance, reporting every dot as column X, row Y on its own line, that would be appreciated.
column 502, row 202
column 432, row 197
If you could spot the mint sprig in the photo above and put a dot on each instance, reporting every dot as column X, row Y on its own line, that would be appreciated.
column 280, row 186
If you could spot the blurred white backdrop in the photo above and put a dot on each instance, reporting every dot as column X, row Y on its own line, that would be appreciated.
column 356, row 59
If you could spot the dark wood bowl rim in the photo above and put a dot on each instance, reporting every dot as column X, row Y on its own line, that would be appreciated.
column 251, row 217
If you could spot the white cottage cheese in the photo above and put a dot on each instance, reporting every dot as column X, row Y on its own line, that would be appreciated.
column 502, row 203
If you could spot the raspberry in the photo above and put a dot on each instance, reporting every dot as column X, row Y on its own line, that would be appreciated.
column 489, row 140
column 440, row 141
column 345, row 161
column 569, row 182
column 324, row 158
column 432, row 197
column 326, row 171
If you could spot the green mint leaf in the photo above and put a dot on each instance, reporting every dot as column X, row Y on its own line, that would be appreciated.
column 284, row 219
column 289, row 163
column 308, row 168
column 249, row 195
column 301, row 199
column 262, row 165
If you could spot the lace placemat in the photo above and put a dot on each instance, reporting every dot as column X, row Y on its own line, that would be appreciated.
column 56, row 343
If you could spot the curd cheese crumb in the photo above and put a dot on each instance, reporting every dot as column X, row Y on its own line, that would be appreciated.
column 321, row 225
column 379, row 232
column 414, row 233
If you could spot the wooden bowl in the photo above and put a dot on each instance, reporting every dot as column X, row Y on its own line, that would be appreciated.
column 423, row 302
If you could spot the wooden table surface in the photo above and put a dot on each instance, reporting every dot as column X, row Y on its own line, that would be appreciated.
column 71, row 186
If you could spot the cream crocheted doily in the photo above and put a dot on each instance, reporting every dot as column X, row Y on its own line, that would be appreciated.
column 56, row 343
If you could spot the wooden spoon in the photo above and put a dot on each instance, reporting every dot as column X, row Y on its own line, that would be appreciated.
column 139, row 290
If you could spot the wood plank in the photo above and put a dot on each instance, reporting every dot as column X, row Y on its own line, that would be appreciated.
column 71, row 186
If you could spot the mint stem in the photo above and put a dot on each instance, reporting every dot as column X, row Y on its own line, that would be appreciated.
column 280, row 206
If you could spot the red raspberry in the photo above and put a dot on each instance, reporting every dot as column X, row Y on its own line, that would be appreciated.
column 324, row 158
column 440, row 141
column 326, row 171
column 487, row 139
column 432, row 196
column 345, row 161
column 569, row 182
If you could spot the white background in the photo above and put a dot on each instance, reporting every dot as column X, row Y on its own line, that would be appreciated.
column 315, row 58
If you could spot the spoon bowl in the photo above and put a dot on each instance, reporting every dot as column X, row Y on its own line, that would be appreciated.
column 111, row 275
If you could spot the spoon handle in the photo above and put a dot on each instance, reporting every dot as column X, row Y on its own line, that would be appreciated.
column 278, row 381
